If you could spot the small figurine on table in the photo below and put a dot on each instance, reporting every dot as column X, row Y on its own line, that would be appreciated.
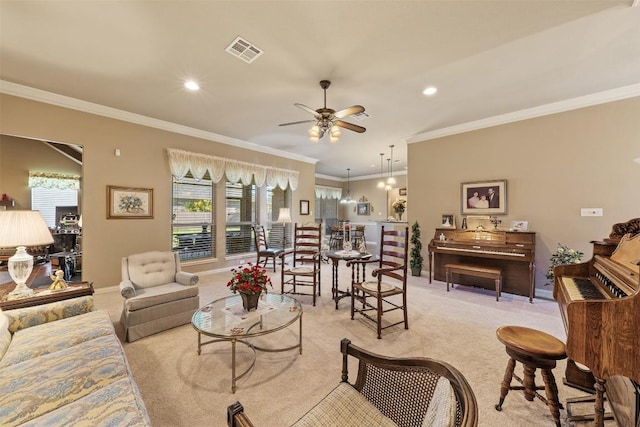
column 58, row 281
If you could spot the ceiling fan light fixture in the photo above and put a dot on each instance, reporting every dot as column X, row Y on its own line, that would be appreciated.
column 329, row 121
column 314, row 133
column 334, row 134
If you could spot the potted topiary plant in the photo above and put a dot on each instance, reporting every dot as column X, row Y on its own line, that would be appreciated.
column 416, row 250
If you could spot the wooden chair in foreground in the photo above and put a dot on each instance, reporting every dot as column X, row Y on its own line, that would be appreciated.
column 372, row 298
column 388, row 391
column 264, row 252
column 305, row 261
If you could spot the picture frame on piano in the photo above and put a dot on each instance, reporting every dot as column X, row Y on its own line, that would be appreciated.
column 484, row 197
column 448, row 221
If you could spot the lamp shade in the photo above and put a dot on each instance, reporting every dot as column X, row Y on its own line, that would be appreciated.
column 284, row 216
column 23, row 228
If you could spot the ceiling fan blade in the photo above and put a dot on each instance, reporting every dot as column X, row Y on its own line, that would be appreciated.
column 349, row 126
column 354, row 109
column 307, row 109
column 296, row 123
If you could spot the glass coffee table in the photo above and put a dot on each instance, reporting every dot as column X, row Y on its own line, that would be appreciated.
column 225, row 320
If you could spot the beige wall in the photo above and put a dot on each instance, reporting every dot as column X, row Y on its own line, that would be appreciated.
column 380, row 200
column 554, row 165
column 143, row 163
column 18, row 156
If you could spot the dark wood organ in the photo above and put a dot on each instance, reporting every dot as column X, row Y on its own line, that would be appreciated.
column 512, row 252
column 600, row 307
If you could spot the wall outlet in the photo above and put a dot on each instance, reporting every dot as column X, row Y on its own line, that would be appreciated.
column 591, row 212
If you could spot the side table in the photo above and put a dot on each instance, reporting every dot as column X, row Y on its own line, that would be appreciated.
column 42, row 294
column 335, row 257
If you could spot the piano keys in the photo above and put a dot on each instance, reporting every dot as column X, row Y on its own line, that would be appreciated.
column 512, row 252
column 602, row 330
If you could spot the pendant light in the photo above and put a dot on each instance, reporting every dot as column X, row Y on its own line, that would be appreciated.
column 347, row 198
column 381, row 183
column 388, row 186
column 391, row 181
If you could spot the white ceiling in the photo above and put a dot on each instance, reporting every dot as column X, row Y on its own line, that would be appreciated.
column 487, row 58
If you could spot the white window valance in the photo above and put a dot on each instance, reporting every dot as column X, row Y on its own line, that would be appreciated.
column 181, row 162
column 323, row 192
column 54, row 180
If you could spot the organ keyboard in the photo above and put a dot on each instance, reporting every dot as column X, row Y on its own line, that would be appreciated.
column 599, row 302
column 512, row 252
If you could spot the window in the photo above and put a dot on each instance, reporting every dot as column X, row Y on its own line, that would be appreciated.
column 277, row 198
column 192, row 220
column 242, row 213
column 46, row 200
column 326, row 210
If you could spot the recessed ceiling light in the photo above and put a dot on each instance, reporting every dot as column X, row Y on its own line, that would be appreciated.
column 192, row 85
column 431, row 90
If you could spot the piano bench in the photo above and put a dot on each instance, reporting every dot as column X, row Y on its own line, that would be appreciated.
column 535, row 350
column 476, row 271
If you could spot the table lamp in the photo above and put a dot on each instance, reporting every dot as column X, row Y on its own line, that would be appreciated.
column 21, row 229
column 284, row 218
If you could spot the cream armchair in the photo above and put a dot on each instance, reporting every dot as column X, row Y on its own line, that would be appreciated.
column 158, row 295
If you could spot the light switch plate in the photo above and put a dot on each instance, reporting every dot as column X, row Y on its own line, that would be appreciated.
column 591, row 212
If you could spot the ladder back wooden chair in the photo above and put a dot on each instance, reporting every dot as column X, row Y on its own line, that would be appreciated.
column 373, row 297
column 306, row 256
column 263, row 251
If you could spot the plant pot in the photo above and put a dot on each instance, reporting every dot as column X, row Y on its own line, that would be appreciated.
column 250, row 301
column 416, row 271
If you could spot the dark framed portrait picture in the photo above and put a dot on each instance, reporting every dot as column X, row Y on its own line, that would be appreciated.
column 304, row 207
column 364, row 208
column 484, row 197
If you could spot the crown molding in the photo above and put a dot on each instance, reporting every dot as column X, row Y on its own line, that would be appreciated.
column 530, row 113
column 362, row 177
column 21, row 91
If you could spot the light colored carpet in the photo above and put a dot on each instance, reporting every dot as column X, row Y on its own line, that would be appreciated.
column 181, row 388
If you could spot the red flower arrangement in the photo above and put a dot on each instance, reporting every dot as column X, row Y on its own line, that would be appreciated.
column 251, row 279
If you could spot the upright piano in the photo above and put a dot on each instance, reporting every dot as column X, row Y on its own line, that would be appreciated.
column 511, row 251
column 600, row 306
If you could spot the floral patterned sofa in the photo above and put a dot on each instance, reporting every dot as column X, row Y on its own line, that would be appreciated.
column 62, row 364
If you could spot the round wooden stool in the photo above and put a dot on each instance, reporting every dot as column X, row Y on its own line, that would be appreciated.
column 534, row 349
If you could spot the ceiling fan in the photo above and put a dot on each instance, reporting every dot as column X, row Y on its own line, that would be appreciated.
column 327, row 119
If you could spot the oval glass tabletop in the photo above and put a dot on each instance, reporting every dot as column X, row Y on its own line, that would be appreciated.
column 226, row 318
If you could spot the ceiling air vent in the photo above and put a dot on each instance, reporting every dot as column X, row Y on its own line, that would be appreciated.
column 361, row 116
column 244, row 50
